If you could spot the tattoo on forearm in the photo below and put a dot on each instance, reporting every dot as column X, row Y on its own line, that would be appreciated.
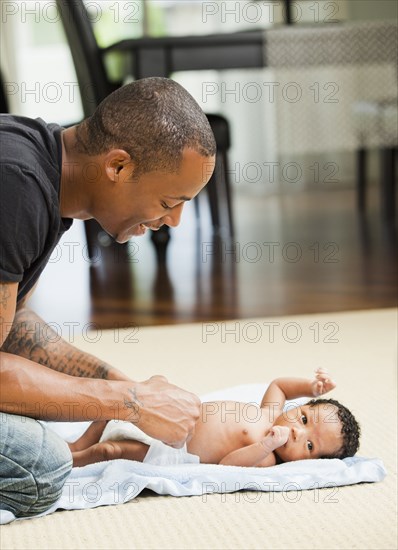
column 32, row 338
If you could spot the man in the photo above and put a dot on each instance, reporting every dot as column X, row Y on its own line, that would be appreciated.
column 146, row 150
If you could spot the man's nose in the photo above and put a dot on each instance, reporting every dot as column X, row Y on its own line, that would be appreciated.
column 172, row 218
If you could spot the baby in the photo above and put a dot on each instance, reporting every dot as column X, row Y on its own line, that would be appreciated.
column 239, row 434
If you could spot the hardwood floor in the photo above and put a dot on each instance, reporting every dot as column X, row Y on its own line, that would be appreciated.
column 302, row 252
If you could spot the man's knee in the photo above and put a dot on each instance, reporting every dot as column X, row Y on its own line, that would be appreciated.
column 35, row 465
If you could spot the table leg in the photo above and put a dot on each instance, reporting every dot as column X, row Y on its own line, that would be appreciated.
column 388, row 182
column 361, row 179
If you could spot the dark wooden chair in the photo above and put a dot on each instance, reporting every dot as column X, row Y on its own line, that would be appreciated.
column 3, row 97
column 371, row 118
column 95, row 85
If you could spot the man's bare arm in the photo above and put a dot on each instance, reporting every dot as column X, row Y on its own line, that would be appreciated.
column 160, row 409
column 29, row 389
column 8, row 302
column 30, row 337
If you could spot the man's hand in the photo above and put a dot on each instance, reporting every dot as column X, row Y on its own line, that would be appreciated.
column 165, row 411
column 322, row 383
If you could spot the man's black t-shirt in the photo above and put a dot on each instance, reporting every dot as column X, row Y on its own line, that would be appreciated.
column 30, row 179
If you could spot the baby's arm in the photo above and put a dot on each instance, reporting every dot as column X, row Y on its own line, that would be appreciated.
column 282, row 389
column 260, row 453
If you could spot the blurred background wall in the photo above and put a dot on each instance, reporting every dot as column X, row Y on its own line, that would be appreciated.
column 316, row 132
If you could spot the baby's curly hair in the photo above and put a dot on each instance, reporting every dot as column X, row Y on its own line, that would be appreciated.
column 350, row 428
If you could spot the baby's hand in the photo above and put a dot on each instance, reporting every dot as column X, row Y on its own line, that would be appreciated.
column 280, row 434
column 322, row 383
column 276, row 437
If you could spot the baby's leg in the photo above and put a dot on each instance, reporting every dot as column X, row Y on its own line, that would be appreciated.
column 91, row 435
column 110, row 450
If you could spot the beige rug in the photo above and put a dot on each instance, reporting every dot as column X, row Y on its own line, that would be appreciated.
column 359, row 348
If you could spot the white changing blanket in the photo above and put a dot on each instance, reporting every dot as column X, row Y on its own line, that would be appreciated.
column 119, row 481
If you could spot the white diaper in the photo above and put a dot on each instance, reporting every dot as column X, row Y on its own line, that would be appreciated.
column 119, row 429
column 158, row 453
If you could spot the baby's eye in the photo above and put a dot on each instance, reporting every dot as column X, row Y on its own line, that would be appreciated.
column 304, row 419
column 310, row 445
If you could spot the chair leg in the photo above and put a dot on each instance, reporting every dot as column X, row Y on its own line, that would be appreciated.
column 213, row 193
column 91, row 229
column 388, row 182
column 361, row 179
column 197, row 208
column 219, row 193
column 228, row 194
column 161, row 239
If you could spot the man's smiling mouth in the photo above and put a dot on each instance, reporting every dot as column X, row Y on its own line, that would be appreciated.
column 149, row 227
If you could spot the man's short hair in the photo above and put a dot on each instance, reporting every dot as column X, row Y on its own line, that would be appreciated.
column 153, row 119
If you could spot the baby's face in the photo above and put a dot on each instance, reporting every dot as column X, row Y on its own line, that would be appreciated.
column 314, row 432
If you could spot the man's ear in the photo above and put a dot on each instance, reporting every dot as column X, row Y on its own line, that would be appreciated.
column 116, row 162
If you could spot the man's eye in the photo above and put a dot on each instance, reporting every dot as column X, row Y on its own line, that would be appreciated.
column 304, row 419
column 310, row 445
column 165, row 206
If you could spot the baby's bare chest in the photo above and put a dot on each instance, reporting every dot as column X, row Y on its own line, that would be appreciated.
column 225, row 426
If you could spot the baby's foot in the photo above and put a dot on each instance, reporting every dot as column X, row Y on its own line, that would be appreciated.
column 276, row 437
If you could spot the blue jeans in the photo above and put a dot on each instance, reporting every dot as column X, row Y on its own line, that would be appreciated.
column 34, row 464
